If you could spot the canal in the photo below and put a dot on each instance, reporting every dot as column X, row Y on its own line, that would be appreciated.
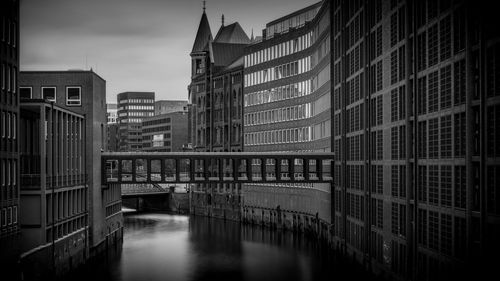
column 161, row 246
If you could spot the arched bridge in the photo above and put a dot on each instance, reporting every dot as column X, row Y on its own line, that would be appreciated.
column 216, row 167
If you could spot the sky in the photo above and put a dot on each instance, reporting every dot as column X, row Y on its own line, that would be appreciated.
column 135, row 45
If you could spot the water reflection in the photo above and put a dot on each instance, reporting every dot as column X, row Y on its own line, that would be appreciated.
column 172, row 247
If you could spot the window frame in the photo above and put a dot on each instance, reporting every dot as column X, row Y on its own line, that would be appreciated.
column 49, row 87
column 74, row 100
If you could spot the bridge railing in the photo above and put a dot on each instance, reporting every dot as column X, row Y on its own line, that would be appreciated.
column 216, row 167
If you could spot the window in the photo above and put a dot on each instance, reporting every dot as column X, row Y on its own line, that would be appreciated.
column 446, row 136
column 446, row 234
column 49, row 93
column 433, row 92
column 4, row 121
column 434, row 184
column 9, row 125
column 434, row 138
column 422, row 183
column 433, row 230
column 25, row 92
column 446, row 186
column 394, row 67
column 73, row 96
column 460, row 137
column 433, row 45
column 459, row 81
column 14, row 125
column 460, row 187
column 445, row 34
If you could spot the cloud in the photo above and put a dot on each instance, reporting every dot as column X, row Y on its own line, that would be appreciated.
column 134, row 44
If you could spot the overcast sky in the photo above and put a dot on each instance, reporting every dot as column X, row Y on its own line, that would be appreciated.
column 135, row 45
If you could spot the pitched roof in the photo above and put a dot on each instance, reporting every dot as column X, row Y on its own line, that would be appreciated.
column 232, row 33
column 236, row 63
column 203, row 36
column 222, row 54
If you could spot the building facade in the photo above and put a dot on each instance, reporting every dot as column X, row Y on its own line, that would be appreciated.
column 9, row 120
column 287, row 107
column 9, row 139
column 133, row 107
column 216, row 109
column 414, row 107
column 111, row 113
column 82, row 93
column 113, row 128
column 54, row 189
column 166, row 132
column 406, row 94
column 169, row 106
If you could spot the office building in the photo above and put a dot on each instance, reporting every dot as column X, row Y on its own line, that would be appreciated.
column 166, row 132
column 410, row 111
column 133, row 107
column 113, row 127
column 9, row 137
column 9, row 107
column 287, row 107
column 111, row 113
column 77, row 93
column 216, row 104
column 54, row 189
column 169, row 106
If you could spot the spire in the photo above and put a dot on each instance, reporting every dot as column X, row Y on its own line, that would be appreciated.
column 203, row 35
column 251, row 37
column 204, row 6
column 222, row 19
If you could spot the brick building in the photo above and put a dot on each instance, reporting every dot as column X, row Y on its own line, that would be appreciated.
column 74, row 93
column 9, row 141
column 413, row 93
column 216, row 109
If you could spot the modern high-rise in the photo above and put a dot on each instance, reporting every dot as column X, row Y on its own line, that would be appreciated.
column 406, row 94
column 169, row 106
column 216, row 109
column 133, row 107
column 75, row 94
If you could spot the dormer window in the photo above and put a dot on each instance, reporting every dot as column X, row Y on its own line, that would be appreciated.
column 199, row 66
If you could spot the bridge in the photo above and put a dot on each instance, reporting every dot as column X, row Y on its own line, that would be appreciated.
column 216, row 167
column 141, row 189
column 146, row 178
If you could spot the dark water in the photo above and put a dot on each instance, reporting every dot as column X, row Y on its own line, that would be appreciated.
column 174, row 247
